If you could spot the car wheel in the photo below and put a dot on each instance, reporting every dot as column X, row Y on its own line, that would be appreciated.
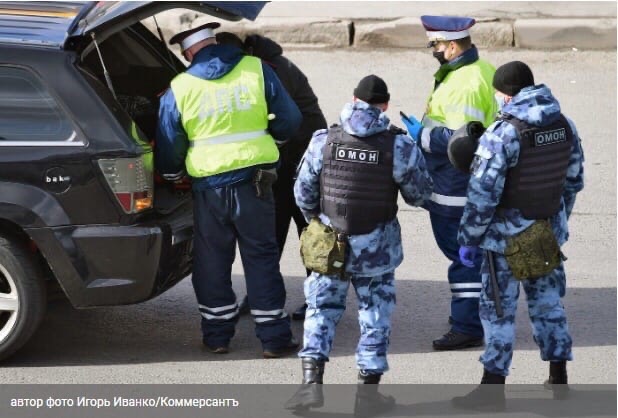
column 22, row 296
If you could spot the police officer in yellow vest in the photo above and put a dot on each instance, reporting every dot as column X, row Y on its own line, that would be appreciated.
column 221, row 121
column 462, row 93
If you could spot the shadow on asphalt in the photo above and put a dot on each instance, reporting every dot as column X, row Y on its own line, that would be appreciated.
column 167, row 328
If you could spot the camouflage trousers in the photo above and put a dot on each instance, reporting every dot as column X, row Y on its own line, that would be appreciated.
column 547, row 316
column 326, row 301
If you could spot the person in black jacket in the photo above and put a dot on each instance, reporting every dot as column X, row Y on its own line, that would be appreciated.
column 297, row 85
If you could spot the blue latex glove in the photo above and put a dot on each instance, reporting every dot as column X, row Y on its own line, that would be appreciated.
column 467, row 255
column 413, row 125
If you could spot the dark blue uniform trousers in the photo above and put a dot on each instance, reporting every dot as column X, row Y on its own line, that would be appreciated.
column 465, row 282
column 223, row 217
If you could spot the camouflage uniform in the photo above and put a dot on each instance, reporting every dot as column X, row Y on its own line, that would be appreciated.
column 371, row 258
column 484, row 226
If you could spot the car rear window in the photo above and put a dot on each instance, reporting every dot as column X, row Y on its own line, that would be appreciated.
column 28, row 112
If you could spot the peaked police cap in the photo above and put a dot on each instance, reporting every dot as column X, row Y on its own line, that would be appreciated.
column 446, row 28
column 190, row 37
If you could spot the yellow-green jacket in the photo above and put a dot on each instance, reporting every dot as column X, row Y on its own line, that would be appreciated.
column 213, row 121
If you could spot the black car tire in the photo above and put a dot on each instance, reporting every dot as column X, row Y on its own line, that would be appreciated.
column 20, row 276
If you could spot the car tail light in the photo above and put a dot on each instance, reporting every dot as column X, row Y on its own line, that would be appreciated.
column 130, row 181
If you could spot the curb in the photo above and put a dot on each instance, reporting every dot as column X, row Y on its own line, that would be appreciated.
column 565, row 33
column 297, row 30
column 407, row 32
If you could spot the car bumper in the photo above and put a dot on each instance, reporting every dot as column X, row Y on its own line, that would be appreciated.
column 100, row 265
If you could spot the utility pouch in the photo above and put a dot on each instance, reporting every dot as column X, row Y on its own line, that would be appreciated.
column 263, row 181
column 322, row 249
column 534, row 252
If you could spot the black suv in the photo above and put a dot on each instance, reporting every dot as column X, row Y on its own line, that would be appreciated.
column 80, row 204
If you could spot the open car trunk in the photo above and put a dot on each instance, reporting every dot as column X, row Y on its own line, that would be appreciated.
column 139, row 65
column 138, row 71
column 139, row 74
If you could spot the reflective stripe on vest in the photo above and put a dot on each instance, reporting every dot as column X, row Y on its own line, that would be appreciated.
column 225, row 120
column 466, row 94
column 225, row 139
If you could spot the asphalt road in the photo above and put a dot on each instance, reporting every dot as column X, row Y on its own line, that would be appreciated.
column 159, row 341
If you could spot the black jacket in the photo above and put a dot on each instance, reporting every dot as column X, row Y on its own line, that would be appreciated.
column 297, row 86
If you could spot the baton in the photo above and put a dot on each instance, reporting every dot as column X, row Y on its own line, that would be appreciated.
column 494, row 283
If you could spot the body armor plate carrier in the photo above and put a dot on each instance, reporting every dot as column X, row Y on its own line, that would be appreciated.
column 356, row 184
column 536, row 183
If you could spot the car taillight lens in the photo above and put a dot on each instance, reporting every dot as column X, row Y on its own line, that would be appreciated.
column 130, row 180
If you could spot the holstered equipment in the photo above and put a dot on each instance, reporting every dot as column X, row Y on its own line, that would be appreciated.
column 493, row 279
column 322, row 249
column 263, row 181
column 534, row 252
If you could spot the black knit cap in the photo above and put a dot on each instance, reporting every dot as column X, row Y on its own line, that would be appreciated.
column 372, row 89
column 513, row 76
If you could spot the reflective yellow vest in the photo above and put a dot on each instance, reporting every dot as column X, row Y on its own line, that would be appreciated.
column 225, row 120
column 464, row 95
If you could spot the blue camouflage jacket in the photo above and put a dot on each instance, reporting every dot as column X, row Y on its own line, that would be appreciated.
column 211, row 63
column 379, row 251
column 498, row 151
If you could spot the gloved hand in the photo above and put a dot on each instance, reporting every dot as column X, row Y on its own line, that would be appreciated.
column 413, row 125
column 467, row 255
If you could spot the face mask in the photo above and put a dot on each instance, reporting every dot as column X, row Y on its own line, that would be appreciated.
column 439, row 55
column 501, row 100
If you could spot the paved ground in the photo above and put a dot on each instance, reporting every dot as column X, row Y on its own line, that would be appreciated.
column 159, row 342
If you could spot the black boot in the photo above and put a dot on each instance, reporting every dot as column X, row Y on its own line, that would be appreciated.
column 369, row 402
column 309, row 395
column 454, row 340
column 488, row 396
column 558, row 380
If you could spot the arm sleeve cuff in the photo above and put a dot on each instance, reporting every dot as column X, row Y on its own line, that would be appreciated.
column 426, row 139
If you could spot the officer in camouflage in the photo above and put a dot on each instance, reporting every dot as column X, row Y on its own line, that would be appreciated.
column 350, row 177
column 526, row 171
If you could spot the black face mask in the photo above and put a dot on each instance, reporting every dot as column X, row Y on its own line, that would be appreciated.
column 439, row 55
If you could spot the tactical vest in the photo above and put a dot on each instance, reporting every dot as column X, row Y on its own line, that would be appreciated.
column 356, row 183
column 225, row 120
column 535, row 185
